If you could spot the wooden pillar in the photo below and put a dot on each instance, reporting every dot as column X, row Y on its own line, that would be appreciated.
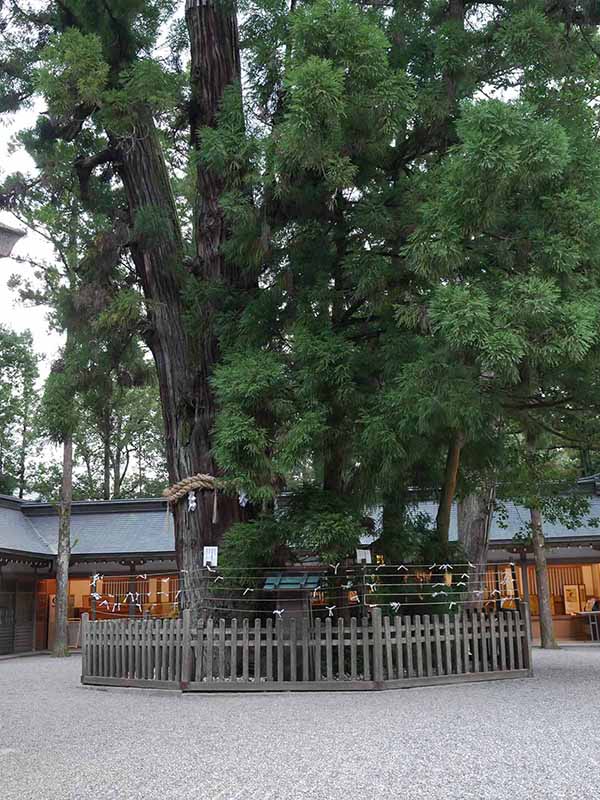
column 131, row 589
column 524, row 605
column 93, row 603
column 34, row 612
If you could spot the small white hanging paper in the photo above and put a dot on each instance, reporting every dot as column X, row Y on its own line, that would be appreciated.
column 191, row 501
column 244, row 499
column 363, row 555
column 211, row 556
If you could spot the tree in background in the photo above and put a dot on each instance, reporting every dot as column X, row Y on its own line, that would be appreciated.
column 60, row 419
column 18, row 405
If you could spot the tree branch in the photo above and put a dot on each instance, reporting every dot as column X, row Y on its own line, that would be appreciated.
column 85, row 166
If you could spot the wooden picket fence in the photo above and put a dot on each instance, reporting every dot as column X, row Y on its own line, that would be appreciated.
column 375, row 652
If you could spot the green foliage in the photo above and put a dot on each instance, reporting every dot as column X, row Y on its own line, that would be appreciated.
column 59, row 402
column 309, row 520
column 18, row 374
column 73, row 71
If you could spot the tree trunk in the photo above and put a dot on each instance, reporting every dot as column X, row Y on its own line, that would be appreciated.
column 448, row 492
column 23, row 450
column 185, row 361
column 474, row 513
column 543, row 584
column 61, row 642
column 106, row 455
column 117, row 462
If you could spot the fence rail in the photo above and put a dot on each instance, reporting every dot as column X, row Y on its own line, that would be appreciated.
column 375, row 652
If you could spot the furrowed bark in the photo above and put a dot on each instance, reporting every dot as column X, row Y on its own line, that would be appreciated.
column 61, row 640
column 449, row 491
column 180, row 357
column 185, row 361
column 474, row 513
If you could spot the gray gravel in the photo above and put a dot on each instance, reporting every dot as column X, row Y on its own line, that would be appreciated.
column 510, row 740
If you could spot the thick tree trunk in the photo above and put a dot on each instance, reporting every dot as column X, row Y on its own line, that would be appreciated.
column 449, row 491
column 543, row 584
column 474, row 513
column 185, row 361
column 61, row 642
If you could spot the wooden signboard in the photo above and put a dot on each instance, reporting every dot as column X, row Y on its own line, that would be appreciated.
column 572, row 601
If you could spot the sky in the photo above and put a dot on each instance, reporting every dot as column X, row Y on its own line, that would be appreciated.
column 13, row 313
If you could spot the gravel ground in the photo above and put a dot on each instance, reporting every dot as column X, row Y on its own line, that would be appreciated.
column 510, row 740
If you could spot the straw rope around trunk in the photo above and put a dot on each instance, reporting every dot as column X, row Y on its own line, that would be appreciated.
column 200, row 481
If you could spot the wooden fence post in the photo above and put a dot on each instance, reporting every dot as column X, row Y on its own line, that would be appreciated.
column 526, row 614
column 85, row 618
column 186, row 645
column 377, row 649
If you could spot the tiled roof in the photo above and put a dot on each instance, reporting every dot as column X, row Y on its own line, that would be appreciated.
column 117, row 527
column 508, row 524
column 120, row 532
column 17, row 533
column 142, row 526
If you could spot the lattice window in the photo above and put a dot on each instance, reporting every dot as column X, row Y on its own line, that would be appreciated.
column 559, row 575
column 119, row 588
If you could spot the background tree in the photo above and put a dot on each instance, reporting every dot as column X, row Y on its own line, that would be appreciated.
column 60, row 415
column 18, row 403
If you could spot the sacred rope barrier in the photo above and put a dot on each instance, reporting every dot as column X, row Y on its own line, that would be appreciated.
column 187, row 488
